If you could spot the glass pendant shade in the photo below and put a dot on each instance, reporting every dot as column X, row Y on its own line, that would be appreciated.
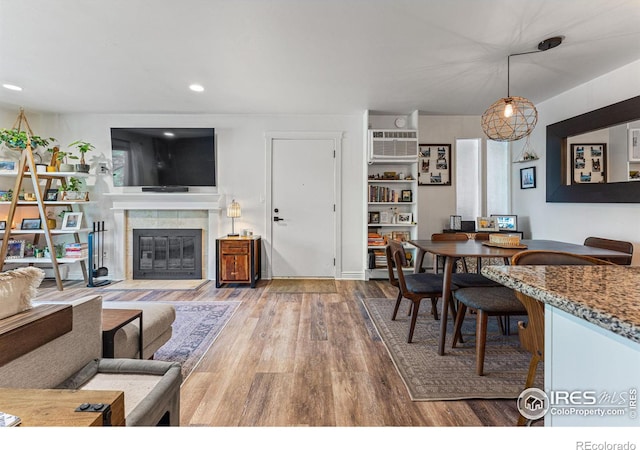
column 509, row 119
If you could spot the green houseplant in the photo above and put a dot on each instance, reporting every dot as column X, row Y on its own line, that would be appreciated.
column 62, row 159
column 83, row 147
column 70, row 190
column 17, row 139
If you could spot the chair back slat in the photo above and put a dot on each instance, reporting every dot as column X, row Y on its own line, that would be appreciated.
column 612, row 244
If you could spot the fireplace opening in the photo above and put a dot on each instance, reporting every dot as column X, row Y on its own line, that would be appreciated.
column 167, row 254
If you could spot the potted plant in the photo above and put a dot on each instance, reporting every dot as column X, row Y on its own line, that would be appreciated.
column 60, row 159
column 70, row 190
column 17, row 139
column 83, row 147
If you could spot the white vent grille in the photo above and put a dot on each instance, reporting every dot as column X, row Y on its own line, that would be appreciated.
column 393, row 145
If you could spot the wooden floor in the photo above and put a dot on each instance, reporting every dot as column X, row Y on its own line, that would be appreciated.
column 301, row 359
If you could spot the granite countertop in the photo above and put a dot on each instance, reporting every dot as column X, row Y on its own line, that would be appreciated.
column 607, row 296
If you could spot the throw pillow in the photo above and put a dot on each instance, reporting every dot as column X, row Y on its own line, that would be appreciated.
column 18, row 287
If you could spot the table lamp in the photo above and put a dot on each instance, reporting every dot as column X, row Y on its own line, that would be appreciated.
column 233, row 211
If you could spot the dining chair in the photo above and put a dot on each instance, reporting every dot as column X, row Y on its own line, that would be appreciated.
column 464, row 278
column 486, row 301
column 532, row 333
column 413, row 286
column 611, row 244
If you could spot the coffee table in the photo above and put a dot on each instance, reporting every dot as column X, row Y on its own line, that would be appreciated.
column 112, row 321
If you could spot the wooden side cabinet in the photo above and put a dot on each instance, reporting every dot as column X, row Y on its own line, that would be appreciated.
column 238, row 260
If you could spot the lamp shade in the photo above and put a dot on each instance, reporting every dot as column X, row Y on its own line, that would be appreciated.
column 233, row 210
column 509, row 119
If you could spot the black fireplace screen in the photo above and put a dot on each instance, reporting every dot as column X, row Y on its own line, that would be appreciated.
column 167, row 254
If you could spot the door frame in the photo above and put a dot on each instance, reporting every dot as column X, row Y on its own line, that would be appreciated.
column 336, row 137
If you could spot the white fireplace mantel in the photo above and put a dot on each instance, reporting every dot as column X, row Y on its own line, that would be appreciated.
column 156, row 201
column 165, row 200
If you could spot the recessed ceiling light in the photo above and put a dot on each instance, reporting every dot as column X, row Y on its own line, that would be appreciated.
column 12, row 87
column 168, row 134
column 196, row 87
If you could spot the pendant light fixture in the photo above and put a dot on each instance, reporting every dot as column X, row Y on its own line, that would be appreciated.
column 512, row 118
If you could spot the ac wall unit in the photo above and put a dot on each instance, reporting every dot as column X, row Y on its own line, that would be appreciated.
column 393, row 145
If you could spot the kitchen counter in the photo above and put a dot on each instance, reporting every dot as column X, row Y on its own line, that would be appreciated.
column 606, row 296
column 591, row 339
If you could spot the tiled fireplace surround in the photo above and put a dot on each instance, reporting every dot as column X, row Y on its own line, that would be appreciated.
column 164, row 210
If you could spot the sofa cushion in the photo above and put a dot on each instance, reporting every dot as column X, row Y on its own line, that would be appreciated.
column 17, row 288
column 157, row 318
column 151, row 388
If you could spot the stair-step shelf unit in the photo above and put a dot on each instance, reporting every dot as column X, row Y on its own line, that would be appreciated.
column 391, row 188
column 41, row 183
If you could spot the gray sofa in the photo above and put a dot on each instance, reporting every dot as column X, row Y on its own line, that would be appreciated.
column 73, row 361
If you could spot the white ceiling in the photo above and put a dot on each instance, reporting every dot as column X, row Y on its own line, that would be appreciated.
column 304, row 56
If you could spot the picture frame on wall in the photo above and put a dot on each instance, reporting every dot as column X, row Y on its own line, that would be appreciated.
column 634, row 144
column 588, row 163
column 528, row 178
column 8, row 166
column 434, row 165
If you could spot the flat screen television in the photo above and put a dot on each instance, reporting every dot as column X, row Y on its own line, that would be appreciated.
column 162, row 158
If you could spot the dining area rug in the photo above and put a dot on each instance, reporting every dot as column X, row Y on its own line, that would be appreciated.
column 431, row 377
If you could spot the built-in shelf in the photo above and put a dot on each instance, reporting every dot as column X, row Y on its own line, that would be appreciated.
column 392, row 203
column 47, row 261
column 53, row 231
column 396, row 225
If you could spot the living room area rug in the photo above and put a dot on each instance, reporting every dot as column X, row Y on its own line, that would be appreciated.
column 430, row 377
column 158, row 285
column 195, row 329
column 302, row 286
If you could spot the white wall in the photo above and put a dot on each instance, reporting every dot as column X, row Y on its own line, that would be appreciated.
column 241, row 164
column 437, row 203
column 572, row 222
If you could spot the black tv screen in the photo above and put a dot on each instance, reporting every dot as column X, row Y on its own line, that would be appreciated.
column 163, row 156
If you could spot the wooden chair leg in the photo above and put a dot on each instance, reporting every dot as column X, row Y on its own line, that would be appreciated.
column 531, row 376
column 395, row 309
column 434, row 308
column 457, row 328
column 481, row 340
column 414, row 318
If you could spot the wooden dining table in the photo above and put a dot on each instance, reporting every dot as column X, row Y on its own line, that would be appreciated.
column 452, row 250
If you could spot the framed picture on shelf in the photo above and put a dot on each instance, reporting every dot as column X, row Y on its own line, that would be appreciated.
column 51, row 195
column 385, row 217
column 402, row 236
column 487, row 224
column 506, row 223
column 15, row 249
column 406, row 195
column 7, row 166
column 434, row 164
column 405, row 218
column 589, row 163
column 3, row 224
column 71, row 221
column 31, row 224
column 528, row 178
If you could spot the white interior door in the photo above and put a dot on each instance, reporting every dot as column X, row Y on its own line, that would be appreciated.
column 302, row 208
